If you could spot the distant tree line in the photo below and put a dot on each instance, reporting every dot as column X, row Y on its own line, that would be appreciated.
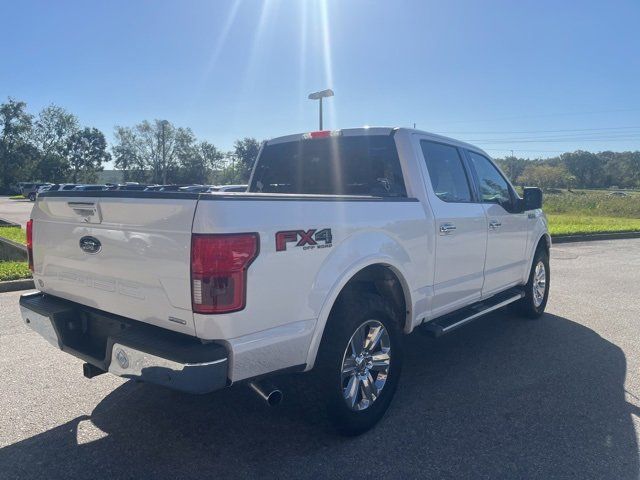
column 159, row 152
column 52, row 146
column 577, row 169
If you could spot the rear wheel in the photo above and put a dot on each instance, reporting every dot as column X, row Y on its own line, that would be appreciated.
column 32, row 196
column 359, row 362
column 532, row 305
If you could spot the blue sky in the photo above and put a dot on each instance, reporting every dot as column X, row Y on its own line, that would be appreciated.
column 536, row 77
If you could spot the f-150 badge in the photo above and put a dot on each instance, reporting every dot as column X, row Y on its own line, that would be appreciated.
column 312, row 238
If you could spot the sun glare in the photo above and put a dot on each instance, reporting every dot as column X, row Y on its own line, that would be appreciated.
column 315, row 53
column 326, row 56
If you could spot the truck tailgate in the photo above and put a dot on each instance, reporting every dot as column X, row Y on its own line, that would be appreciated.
column 125, row 255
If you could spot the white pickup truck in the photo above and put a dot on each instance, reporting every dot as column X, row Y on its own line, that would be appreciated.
column 344, row 241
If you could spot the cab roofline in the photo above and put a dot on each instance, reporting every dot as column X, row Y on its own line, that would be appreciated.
column 345, row 132
column 354, row 132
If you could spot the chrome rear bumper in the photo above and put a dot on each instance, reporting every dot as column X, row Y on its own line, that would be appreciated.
column 125, row 347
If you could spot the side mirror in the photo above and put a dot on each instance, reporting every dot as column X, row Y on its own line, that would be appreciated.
column 532, row 198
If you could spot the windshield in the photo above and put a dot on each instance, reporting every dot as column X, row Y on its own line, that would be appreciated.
column 359, row 165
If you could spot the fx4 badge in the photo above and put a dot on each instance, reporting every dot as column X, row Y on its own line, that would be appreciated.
column 308, row 239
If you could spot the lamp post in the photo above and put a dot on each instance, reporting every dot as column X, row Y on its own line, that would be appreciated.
column 163, row 124
column 319, row 96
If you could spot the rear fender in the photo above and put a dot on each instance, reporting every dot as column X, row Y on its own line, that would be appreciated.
column 370, row 248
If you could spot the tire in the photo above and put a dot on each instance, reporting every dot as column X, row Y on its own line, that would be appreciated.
column 32, row 197
column 532, row 305
column 350, row 399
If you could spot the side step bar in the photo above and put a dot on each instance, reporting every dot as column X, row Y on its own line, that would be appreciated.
column 457, row 319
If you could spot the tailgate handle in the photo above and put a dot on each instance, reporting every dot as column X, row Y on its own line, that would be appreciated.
column 85, row 210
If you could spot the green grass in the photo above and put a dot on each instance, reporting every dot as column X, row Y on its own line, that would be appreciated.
column 565, row 224
column 595, row 203
column 16, row 234
column 17, row 197
column 591, row 211
column 14, row 271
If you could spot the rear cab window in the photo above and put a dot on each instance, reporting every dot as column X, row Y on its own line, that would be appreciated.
column 366, row 165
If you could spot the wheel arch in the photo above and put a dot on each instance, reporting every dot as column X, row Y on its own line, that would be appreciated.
column 543, row 240
column 389, row 280
column 546, row 238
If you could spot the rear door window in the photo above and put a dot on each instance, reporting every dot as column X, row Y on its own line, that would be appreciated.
column 355, row 165
column 448, row 176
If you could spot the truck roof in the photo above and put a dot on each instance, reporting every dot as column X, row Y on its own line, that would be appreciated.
column 347, row 132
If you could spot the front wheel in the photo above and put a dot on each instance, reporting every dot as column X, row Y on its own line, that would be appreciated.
column 359, row 362
column 532, row 305
column 32, row 197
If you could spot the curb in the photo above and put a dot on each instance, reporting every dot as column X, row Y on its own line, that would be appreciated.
column 8, row 223
column 16, row 245
column 12, row 251
column 593, row 237
column 15, row 285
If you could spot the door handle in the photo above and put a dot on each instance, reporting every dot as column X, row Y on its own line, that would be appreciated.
column 494, row 224
column 447, row 228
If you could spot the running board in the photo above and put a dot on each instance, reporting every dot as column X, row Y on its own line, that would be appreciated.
column 457, row 319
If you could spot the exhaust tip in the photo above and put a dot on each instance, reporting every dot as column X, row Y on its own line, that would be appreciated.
column 267, row 392
column 274, row 398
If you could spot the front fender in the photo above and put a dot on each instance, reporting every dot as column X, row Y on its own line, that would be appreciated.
column 539, row 231
column 369, row 248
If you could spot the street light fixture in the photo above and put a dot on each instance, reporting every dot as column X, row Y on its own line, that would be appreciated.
column 319, row 96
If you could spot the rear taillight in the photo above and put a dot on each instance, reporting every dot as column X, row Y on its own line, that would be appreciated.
column 30, row 243
column 219, row 264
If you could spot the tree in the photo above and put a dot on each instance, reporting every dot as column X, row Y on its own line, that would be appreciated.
column 162, row 153
column 622, row 168
column 157, row 142
column 211, row 156
column 544, row 176
column 245, row 152
column 513, row 167
column 188, row 167
column 17, row 155
column 85, row 152
column 127, row 155
column 197, row 161
column 53, row 128
column 586, row 167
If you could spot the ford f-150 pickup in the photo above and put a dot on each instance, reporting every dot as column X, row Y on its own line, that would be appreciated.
column 344, row 242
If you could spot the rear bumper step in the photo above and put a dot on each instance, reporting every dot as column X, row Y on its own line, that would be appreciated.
column 125, row 347
column 452, row 321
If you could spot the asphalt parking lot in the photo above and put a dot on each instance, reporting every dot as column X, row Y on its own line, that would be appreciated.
column 502, row 398
column 17, row 211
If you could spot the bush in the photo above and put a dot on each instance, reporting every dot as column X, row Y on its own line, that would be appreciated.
column 14, row 271
column 15, row 234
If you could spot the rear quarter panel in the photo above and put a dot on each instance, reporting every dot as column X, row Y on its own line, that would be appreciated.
column 299, row 285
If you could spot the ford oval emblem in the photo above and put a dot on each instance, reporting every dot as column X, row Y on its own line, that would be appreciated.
column 90, row 244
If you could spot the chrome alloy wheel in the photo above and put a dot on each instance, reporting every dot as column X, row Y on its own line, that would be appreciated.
column 365, row 365
column 539, row 284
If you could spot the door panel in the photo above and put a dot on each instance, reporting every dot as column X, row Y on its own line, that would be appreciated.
column 461, row 232
column 506, row 244
column 459, row 256
column 507, row 229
